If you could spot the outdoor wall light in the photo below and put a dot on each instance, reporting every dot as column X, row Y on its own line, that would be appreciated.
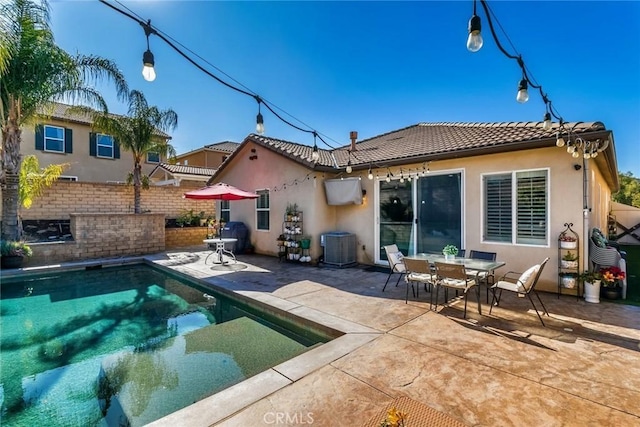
column 523, row 93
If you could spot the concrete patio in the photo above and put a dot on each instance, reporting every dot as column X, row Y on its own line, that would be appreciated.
column 502, row 369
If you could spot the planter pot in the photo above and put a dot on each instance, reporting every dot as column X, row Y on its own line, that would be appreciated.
column 12, row 261
column 305, row 243
column 568, row 264
column 592, row 291
column 568, row 282
column 449, row 257
column 568, row 245
column 611, row 292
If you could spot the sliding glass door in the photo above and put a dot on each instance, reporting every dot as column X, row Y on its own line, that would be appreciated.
column 395, row 211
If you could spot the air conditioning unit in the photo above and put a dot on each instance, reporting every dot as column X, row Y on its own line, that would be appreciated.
column 339, row 248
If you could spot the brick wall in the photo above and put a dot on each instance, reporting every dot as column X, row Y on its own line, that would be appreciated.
column 187, row 236
column 104, row 235
column 65, row 198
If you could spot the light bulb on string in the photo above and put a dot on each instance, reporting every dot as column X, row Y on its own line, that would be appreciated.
column 474, row 41
column 388, row 178
column 148, row 72
column 315, row 155
column 259, row 118
column 559, row 140
column 370, row 174
column 523, row 93
column 546, row 125
column 349, row 169
column 575, row 154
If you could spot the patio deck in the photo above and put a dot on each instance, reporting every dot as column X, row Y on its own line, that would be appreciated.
column 502, row 369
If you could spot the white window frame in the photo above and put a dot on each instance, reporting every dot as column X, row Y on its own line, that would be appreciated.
column 516, row 239
column 112, row 146
column 47, row 138
column 267, row 209
column 154, row 161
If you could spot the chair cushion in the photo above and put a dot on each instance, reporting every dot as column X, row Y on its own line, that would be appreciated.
column 419, row 277
column 396, row 261
column 526, row 278
column 598, row 238
column 457, row 283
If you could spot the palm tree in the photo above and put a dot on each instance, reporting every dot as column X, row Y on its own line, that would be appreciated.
column 34, row 179
column 34, row 72
column 140, row 132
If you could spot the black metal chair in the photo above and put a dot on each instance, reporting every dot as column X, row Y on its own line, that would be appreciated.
column 486, row 278
column 520, row 283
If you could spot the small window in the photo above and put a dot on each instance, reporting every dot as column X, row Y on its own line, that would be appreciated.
column 67, row 178
column 516, row 201
column 54, row 139
column 225, row 211
column 153, row 158
column 262, row 210
column 105, row 146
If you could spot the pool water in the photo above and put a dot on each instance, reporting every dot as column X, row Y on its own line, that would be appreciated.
column 126, row 346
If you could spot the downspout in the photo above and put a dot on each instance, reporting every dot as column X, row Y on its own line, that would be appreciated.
column 586, row 213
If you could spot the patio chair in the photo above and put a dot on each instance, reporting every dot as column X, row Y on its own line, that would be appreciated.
column 522, row 284
column 396, row 263
column 454, row 276
column 418, row 271
column 486, row 278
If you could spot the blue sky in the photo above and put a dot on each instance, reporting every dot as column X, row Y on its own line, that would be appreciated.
column 368, row 66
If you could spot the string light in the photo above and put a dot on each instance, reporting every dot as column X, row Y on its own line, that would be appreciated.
column 259, row 119
column 148, row 62
column 349, row 169
column 370, row 174
column 315, row 155
column 474, row 41
column 523, row 93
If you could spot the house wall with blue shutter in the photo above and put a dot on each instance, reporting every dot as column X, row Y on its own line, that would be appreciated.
column 80, row 153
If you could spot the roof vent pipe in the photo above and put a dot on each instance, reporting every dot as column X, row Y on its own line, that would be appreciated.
column 354, row 136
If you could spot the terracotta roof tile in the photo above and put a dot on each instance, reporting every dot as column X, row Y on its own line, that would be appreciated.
column 226, row 146
column 186, row 170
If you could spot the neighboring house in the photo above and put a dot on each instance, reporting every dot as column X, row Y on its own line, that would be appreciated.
column 498, row 187
column 168, row 174
column 209, row 156
column 63, row 136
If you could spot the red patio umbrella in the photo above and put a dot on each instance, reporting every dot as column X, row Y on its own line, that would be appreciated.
column 220, row 191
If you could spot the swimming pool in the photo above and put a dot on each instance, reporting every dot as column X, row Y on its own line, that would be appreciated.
column 128, row 345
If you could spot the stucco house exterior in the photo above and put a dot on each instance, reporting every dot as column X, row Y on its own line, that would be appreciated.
column 64, row 136
column 498, row 187
column 209, row 156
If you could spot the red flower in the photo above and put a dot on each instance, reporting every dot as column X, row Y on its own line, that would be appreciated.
column 612, row 274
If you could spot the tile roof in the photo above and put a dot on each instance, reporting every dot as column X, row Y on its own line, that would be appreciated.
column 431, row 141
column 185, row 170
column 61, row 111
column 226, row 146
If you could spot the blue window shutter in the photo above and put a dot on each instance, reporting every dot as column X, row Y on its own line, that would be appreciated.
column 92, row 144
column 39, row 137
column 116, row 149
column 68, row 141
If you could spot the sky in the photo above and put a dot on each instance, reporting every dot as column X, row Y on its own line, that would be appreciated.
column 365, row 66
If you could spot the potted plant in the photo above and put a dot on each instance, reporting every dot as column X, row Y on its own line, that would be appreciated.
column 13, row 253
column 569, row 260
column 450, row 251
column 568, row 241
column 591, row 280
column 611, row 286
column 569, row 280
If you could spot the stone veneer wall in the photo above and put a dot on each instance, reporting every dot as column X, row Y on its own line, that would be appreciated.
column 64, row 198
column 104, row 235
column 187, row 236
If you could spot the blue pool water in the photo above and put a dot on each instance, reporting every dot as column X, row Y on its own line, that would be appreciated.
column 127, row 346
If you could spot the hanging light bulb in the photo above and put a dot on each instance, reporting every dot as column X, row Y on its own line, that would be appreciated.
column 523, row 93
column 474, row 41
column 575, row 154
column 570, row 149
column 148, row 72
column 349, row 168
column 315, row 155
column 259, row 124
column 546, row 125
column 559, row 140
column 370, row 175
column 388, row 178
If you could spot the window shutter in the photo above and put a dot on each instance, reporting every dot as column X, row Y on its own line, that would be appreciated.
column 116, row 149
column 531, row 207
column 92, row 144
column 39, row 137
column 68, row 141
column 498, row 217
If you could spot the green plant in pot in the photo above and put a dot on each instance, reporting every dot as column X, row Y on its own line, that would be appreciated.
column 450, row 251
column 13, row 253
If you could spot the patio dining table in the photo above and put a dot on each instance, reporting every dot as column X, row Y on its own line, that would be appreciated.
column 220, row 249
column 478, row 265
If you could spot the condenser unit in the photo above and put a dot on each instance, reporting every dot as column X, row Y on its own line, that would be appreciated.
column 339, row 248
